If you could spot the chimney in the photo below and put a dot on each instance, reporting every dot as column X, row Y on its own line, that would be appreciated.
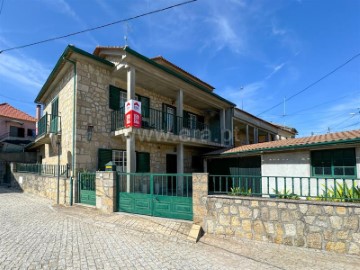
column 38, row 112
column 37, row 116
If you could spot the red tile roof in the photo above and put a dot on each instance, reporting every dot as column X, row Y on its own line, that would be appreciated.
column 11, row 112
column 337, row 137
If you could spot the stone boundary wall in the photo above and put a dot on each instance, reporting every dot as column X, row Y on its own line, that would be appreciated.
column 319, row 225
column 106, row 191
column 44, row 186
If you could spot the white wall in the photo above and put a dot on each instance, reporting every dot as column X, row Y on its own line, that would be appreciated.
column 286, row 164
column 292, row 172
column 357, row 153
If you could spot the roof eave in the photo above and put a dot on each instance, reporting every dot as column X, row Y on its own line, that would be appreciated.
column 288, row 147
column 67, row 52
column 169, row 71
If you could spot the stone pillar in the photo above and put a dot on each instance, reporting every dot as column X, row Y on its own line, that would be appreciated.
column 106, row 191
column 130, row 158
column 222, row 125
column 130, row 83
column 200, row 193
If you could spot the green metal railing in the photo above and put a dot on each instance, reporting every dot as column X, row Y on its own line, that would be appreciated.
column 179, row 185
column 283, row 187
column 43, row 169
column 169, row 123
column 49, row 124
column 87, row 181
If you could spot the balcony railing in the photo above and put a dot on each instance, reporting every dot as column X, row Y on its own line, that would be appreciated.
column 9, row 135
column 169, row 123
column 49, row 124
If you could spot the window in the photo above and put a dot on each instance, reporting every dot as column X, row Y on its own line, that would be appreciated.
column 17, row 132
column 334, row 163
column 119, row 158
column 193, row 121
column 118, row 97
column 31, row 132
column 142, row 162
column 169, row 114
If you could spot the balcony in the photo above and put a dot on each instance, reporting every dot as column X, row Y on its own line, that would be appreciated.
column 12, row 138
column 48, row 124
column 165, row 127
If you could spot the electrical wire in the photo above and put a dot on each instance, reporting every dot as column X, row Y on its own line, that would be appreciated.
column 98, row 27
column 17, row 100
column 312, row 84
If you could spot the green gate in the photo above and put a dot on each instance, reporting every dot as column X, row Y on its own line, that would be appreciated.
column 87, row 188
column 160, row 195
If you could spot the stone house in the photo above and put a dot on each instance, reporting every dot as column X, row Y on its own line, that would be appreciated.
column 83, row 101
column 182, row 117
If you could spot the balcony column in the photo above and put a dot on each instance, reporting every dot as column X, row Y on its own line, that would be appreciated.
column 256, row 135
column 268, row 139
column 130, row 83
column 130, row 138
column 179, row 103
column 247, row 134
column 222, row 125
column 130, row 158
column 179, row 111
column 180, row 168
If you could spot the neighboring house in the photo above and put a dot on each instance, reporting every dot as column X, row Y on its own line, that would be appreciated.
column 249, row 129
column 327, row 156
column 17, row 129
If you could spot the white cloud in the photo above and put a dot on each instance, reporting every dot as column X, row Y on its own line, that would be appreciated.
column 29, row 73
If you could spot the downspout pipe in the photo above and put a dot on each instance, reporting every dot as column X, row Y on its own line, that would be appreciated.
column 73, row 131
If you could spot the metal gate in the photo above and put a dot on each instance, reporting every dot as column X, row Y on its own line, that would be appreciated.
column 87, row 188
column 161, row 195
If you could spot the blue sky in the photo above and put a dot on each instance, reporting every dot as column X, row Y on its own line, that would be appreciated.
column 255, row 53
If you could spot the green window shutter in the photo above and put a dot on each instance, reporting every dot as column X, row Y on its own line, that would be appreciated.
column 55, row 107
column 104, row 156
column 145, row 106
column 114, row 98
column 142, row 162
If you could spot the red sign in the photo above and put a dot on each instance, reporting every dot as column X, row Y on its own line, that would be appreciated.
column 133, row 114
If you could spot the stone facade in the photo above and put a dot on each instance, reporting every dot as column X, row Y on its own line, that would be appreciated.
column 92, row 109
column 44, row 186
column 200, row 193
column 319, row 225
column 106, row 191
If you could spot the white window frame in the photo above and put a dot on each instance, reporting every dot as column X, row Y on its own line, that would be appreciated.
column 119, row 159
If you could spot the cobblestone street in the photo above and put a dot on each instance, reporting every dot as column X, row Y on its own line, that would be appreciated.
column 36, row 235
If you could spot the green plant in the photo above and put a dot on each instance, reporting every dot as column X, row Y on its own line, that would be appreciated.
column 286, row 195
column 341, row 192
column 237, row 191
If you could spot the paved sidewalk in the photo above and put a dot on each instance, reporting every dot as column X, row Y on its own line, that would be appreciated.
column 36, row 235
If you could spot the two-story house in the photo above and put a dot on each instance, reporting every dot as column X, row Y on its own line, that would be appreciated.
column 83, row 113
column 17, row 129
